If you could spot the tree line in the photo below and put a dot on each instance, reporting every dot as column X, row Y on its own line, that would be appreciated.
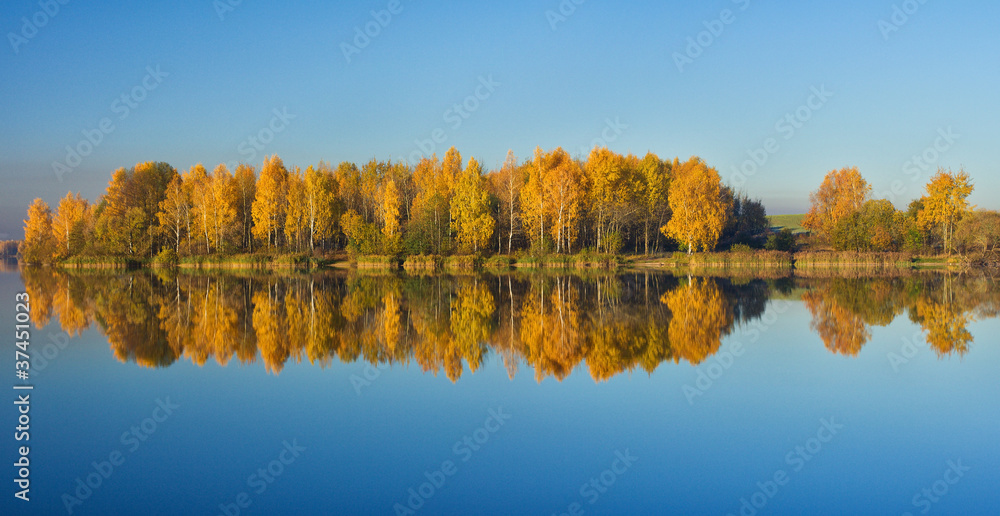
column 844, row 215
column 608, row 203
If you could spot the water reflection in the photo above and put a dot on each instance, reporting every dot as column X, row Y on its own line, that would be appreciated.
column 550, row 323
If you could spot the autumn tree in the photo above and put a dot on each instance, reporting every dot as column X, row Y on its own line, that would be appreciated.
column 225, row 204
column 979, row 231
column 348, row 179
column 174, row 208
column 38, row 246
column 508, row 182
column 245, row 191
column 877, row 226
column 654, row 183
column 470, row 210
column 362, row 237
column 321, row 205
column 69, row 225
column 841, row 194
column 122, row 226
column 533, row 201
column 428, row 226
column 612, row 187
column 296, row 223
column 390, row 214
column 149, row 182
column 371, row 180
column 564, row 190
column 945, row 203
column 698, row 206
column 269, row 204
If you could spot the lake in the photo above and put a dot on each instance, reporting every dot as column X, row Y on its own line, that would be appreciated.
column 644, row 392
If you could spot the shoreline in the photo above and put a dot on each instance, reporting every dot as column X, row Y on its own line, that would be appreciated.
column 741, row 261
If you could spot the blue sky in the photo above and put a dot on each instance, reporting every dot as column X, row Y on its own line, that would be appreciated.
column 605, row 71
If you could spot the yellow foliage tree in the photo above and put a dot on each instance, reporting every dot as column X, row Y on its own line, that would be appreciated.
column 698, row 205
column 296, row 211
column 225, row 203
column 945, row 203
column 245, row 191
column 270, row 202
column 321, row 203
column 612, row 193
column 174, row 209
column 508, row 183
column 199, row 187
column 69, row 225
column 471, row 219
column 564, row 189
column 38, row 245
column 389, row 208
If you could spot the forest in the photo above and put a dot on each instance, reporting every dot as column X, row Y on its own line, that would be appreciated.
column 608, row 203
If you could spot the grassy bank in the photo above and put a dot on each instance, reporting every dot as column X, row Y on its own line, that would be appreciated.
column 803, row 261
column 102, row 262
column 746, row 261
column 241, row 261
column 377, row 262
column 852, row 260
column 741, row 260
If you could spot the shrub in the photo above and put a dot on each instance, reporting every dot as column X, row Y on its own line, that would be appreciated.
column 784, row 240
column 167, row 257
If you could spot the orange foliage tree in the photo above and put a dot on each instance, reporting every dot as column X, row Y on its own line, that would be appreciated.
column 841, row 194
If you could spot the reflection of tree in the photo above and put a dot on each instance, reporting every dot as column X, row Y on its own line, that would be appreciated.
column 843, row 309
column 550, row 322
column 700, row 318
column 124, row 310
column 41, row 284
column 471, row 321
column 843, row 331
column 550, row 328
column 942, row 316
column 268, row 324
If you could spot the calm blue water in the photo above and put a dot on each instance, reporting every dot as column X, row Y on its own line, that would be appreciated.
column 847, row 434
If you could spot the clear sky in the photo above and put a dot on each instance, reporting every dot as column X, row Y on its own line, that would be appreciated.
column 202, row 81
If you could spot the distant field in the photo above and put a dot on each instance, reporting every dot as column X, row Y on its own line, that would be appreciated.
column 793, row 222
